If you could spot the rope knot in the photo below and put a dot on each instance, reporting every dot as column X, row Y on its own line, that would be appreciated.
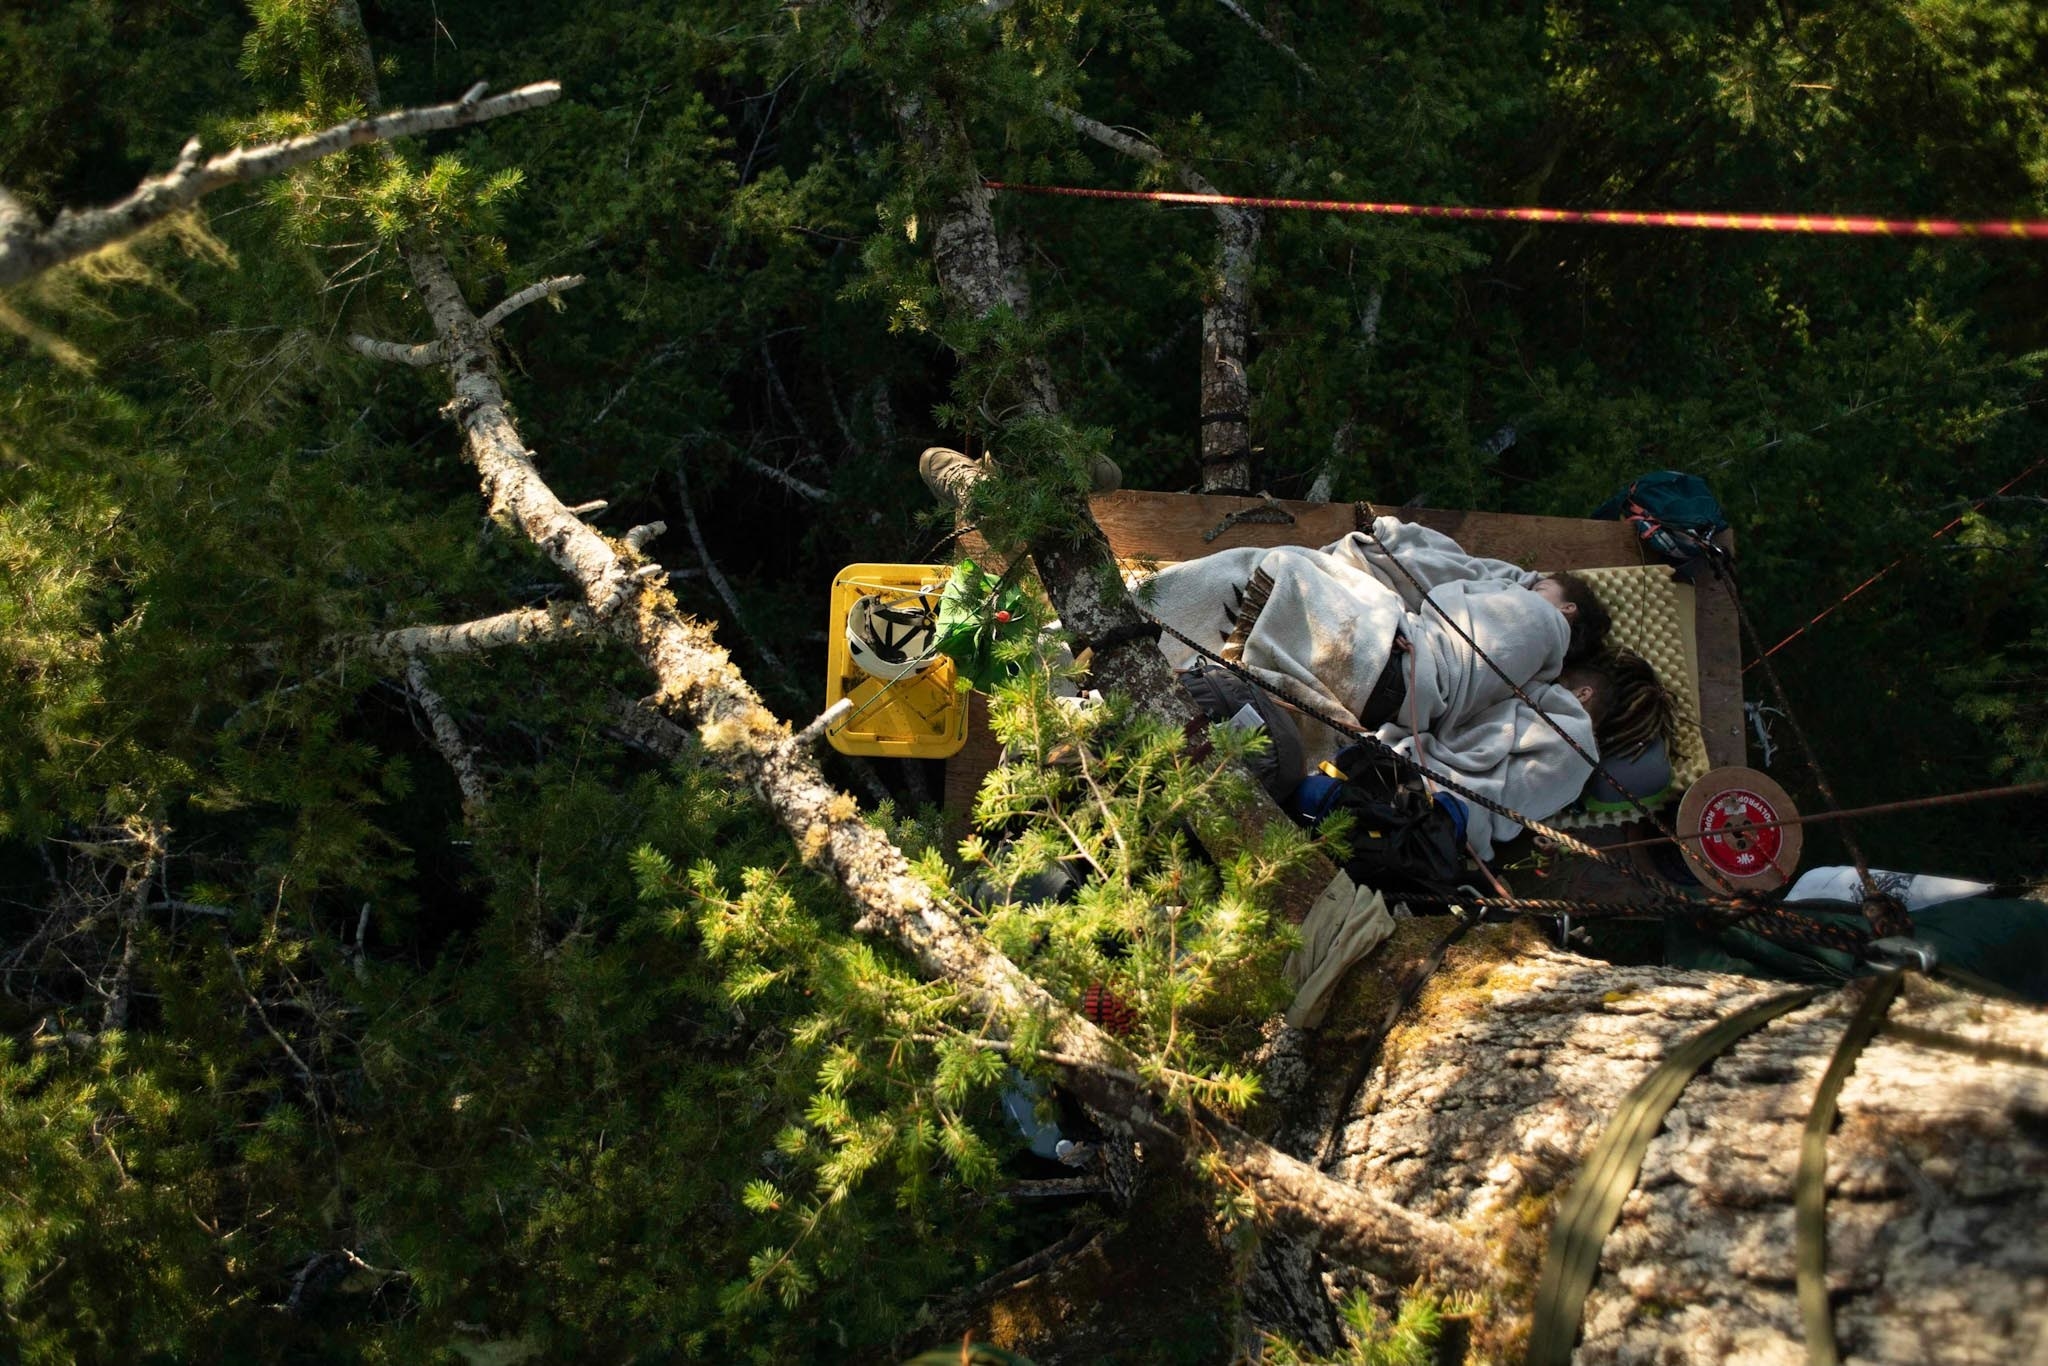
column 1887, row 915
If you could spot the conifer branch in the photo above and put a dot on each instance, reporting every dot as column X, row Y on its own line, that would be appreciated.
column 697, row 679
column 786, row 479
column 263, row 1018
column 28, row 248
column 740, row 736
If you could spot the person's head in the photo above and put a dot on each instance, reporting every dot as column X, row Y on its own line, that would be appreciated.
column 1629, row 707
column 1588, row 620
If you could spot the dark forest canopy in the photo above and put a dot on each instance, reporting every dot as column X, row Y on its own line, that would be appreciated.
column 317, row 1048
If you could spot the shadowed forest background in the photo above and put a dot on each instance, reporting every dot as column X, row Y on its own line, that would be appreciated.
column 596, row 1069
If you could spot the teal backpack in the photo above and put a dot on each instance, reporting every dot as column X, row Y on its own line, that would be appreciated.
column 1674, row 513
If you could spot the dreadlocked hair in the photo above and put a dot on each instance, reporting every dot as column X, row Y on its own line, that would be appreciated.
column 1630, row 707
column 1589, row 622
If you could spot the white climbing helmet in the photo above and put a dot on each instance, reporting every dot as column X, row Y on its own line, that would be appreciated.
column 893, row 635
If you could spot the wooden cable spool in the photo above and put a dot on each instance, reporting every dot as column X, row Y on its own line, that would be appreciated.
column 1731, row 829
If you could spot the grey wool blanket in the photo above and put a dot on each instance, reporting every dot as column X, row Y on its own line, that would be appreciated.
column 1320, row 625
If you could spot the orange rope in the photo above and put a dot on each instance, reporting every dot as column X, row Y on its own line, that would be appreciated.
column 1826, row 223
column 1958, row 521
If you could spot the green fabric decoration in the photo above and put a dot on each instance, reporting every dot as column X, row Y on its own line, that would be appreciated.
column 976, row 609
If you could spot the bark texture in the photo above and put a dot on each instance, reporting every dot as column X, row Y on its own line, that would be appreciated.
column 1490, row 1096
column 29, row 248
column 521, row 626
column 461, row 757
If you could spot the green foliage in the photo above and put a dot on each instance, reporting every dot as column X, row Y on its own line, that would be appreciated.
column 603, row 1073
column 1191, row 945
column 1409, row 1337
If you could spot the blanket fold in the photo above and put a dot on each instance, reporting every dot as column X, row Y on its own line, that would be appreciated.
column 1346, row 923
column 1318, row 626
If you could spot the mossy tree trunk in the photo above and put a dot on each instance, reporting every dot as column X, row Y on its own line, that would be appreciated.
column 1490, row 1092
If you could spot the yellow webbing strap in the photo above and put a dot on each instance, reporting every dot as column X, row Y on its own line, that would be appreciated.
column 1810, row 1200
column 1589, row 1209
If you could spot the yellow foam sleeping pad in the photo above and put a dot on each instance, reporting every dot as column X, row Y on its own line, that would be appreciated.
column 1653, row 616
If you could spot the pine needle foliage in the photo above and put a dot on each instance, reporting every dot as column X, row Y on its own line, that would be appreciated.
column 1120, row 799
column 1410, row 1336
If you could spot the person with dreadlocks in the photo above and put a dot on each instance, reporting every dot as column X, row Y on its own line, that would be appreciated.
column 1634, row 719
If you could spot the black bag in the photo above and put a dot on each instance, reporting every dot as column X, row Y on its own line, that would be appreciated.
column 1402, row 839
column 1226, row 698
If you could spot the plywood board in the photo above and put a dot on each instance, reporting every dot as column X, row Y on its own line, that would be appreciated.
column 1532, row 542
column 1170, row 527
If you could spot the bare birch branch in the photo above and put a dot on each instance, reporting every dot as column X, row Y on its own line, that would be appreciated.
column 786, row 479
column 1340, row 440
column 1340, row 446
column 421, row 354
column 525, row 626
column 552, row 624
column 28, row 249
column 448, row 737
column 148, row 838
column 638, row 538
column 1295, row 57
column 542, row 289
column 1116, row 139
column 811, row 734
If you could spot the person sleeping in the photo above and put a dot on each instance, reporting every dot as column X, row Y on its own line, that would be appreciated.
column 1412, row 559
column 1344, row 625
column 1635, row 720
column 1329, row 632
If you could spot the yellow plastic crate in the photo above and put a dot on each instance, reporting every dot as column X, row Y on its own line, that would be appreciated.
column 919, row 717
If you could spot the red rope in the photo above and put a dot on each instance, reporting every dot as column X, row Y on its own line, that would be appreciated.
column 1836, row 224
column 1958, row 521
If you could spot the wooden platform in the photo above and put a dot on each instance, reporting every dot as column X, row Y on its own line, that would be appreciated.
column 1170, row 527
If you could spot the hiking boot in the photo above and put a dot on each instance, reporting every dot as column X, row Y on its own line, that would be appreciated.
column 949, row 474
column 1104, row 474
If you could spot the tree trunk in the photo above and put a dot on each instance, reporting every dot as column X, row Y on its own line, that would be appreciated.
column 1226, row 348
column 1225, row 388
column 1491, row 1092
